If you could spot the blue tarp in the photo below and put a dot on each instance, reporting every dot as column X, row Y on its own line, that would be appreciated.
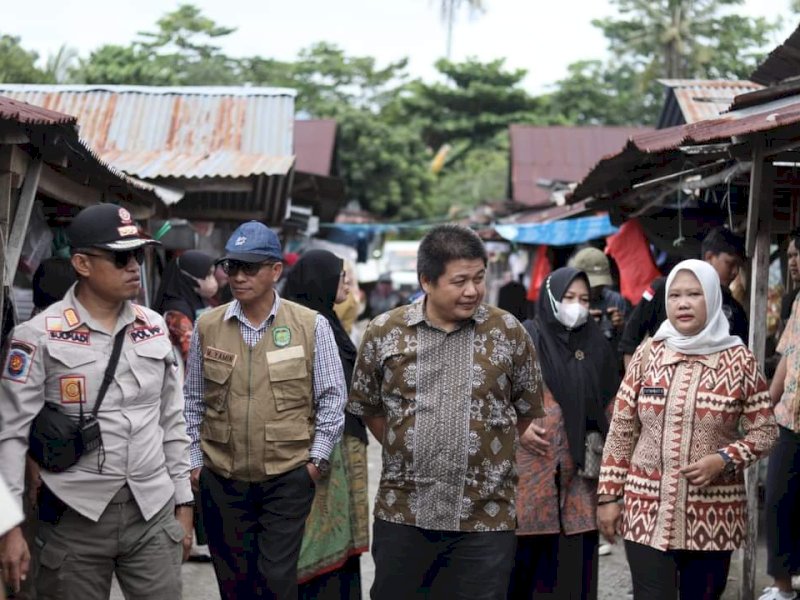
column 559, row 233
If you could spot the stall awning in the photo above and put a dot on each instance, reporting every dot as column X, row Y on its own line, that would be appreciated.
column 559, row 233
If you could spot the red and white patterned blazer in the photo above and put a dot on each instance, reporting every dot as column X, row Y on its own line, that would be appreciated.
column 670, row 413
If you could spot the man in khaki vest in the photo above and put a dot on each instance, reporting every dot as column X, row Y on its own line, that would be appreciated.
column 265, row 396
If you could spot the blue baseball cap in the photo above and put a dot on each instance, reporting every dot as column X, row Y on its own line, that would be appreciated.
column 253, row 242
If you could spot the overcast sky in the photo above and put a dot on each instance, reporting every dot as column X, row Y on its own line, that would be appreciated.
column 542, row 36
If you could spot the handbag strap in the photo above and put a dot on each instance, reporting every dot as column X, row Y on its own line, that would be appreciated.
column 110, row 369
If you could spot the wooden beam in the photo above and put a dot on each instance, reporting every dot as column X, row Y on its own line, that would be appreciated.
column 64, row 189
column 12, row 133
column 759, row 220
column 220, row 184
column 218, row 214
column 754, row 203
column 5, row 214
column 21, row 220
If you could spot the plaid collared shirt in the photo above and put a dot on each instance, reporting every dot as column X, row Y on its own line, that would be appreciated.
column 330, row 390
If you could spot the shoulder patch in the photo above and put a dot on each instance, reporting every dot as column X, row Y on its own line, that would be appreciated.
column 71, row 317
column 141, row 315
column 18, row 361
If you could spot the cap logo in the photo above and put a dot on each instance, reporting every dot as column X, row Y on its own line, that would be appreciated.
column 240, row 241
column 128, row 230
column 124, row 216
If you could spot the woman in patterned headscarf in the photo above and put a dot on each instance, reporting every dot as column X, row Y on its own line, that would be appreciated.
column 556, row 528
column 674, row 455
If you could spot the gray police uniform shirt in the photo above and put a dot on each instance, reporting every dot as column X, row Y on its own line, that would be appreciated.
column 60, row 356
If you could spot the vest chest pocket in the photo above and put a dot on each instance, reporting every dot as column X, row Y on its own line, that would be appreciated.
column 288, row 376
column 217, row 379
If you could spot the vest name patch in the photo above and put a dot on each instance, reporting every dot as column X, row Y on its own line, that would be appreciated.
column 220, row 355
column 142, row 334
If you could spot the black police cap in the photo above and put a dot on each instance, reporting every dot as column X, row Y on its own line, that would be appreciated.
column 106, row 226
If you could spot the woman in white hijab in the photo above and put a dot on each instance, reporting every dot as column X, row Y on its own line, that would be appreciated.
column 672, row 479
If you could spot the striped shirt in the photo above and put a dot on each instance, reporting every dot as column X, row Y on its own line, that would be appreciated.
column 330, row 390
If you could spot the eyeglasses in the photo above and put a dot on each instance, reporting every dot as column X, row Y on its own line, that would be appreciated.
column 232, row 267
column 120, row 258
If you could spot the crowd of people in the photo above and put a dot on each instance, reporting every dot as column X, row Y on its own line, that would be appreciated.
column 231, row 420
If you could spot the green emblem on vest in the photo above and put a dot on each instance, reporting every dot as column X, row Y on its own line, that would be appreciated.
column 282, row 336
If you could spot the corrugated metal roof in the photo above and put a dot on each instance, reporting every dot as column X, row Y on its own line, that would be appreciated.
column 28, row 114
column 314, row 143
column 700, row 99
column 647, row 152
column 781, row 63
column 178, row 132
column 558, row 153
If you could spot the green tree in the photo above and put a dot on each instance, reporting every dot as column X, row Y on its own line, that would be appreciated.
column 181, row 51
column 18, row 65
column 476, row 101
column 651, row 40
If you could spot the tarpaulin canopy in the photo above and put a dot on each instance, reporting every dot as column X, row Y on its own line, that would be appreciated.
column 559, row 233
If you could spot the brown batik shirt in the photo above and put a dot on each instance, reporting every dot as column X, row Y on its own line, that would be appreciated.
column 451, row 403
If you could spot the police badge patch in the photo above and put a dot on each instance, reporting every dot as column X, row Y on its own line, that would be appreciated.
column 18, row 362
column 282, row 336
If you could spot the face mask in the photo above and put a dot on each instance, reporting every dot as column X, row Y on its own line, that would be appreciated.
column 571, row 315
column 207, row 287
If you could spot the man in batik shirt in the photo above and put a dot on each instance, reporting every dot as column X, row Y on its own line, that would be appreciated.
column 446, row 384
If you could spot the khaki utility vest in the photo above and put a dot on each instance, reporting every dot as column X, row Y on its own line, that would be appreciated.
column 259, row 418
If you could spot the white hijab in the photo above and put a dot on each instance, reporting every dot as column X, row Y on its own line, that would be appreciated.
column 715, row 336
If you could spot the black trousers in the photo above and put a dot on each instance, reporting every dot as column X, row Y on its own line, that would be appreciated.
column 411, row 562
column 555, row 566
column 684, row 574
column 783, row 506
column 254, row 532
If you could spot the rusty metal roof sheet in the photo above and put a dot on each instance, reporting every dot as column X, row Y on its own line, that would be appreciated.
column 783, row 62
column 699, row 99
column 649, row 152
column 314, row 143
column 191, row 132
column 29, row 114
column 558, row 153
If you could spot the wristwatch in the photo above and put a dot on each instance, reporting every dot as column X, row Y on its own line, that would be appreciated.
column 730, row 466
column 323, row 466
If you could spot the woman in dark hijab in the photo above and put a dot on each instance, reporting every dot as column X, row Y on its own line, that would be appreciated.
column 557, row 493
column 337, row 530
column 186, row 286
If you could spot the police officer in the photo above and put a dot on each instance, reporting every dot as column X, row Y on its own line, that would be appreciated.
column 124, row 507
column 265, row 396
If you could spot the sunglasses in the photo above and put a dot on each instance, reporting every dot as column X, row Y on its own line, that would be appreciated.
column 232, row 267
column 121, row 258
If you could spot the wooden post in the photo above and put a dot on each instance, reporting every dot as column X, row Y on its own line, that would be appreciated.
column 5, row 214
column 759, row 217
column 22, row 218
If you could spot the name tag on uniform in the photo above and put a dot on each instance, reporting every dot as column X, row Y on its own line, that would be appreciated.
column 654, row 391
column 276, row 356
column 220, row 356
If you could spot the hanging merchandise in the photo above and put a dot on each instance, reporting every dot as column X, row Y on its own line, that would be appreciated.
column 631, row 251
column 540, row 269
column 38, row 241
